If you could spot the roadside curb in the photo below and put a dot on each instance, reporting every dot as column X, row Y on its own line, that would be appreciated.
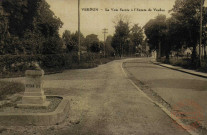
column 191, row 72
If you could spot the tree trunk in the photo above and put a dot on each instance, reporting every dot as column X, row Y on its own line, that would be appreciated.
column 167, row 57
column 193, row 57
column 204, row 51
column 157, row 55
column 167, row 53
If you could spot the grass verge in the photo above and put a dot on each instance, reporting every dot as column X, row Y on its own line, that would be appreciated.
column 186, row 63
column 9, row 88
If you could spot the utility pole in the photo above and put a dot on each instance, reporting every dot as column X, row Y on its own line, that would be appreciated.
column 159, row 42
column 79, row 31
column 201, row 19
column 204, row 47
column 105, row 31
column 159, row 50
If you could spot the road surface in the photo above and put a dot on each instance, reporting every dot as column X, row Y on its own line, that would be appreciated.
column 104, row 102
column 173, row 86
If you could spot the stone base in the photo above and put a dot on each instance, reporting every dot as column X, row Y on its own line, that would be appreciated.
column 37, row 119
column 33, row 99
column 44, row 105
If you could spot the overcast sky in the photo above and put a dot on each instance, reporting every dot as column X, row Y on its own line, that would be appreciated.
column 95, row 21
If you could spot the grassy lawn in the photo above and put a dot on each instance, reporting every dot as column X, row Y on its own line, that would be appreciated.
column 9, row 88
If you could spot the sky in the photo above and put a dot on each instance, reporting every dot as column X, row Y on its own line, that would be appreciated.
column 93, row 22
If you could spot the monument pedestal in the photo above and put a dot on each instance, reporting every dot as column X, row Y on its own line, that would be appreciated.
column 34, row 93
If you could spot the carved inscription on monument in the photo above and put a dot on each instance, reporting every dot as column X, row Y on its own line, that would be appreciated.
column 32, row 86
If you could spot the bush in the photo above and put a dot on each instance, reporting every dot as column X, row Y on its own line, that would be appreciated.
column 20, row 63
column 187, row 63
column 15, row 63
column 55, row 61
column 203, row 67
column 52, row 46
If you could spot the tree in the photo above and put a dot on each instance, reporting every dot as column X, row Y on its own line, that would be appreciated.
column 156, row 30
column 46, row 21
column 70, row 46
column 71, row 40
column 4, row 34
column 74, row 41
column 52, row 45
column 48, row 25
column 21, row 14
column 119, row 39
column 95, row 47
column 187, row 15
column 89, row 40
column 137, row 36
column 204, row 31
column 204, row 40
column 109, row 49
column 30, row 24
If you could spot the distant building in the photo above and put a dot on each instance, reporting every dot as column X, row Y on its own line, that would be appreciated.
column 154, row 54
column 187, row 52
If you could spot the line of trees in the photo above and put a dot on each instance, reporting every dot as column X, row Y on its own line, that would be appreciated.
column 29, row 31
column 181, row 30
column 90, row 43
column 127, row 40
column 31, row 28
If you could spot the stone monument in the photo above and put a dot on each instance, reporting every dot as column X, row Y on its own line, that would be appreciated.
column 34, row 94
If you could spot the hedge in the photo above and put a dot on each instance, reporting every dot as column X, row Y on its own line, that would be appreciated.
column 56, row 62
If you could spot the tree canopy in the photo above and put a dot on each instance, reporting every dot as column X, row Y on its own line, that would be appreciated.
column 155, row 31
column 31, row 25
column 181, row 30
column 122, row 32
column 71, row 40
column 91, row 40
column 137, row 37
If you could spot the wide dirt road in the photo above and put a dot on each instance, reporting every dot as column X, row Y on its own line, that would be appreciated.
column 103, row 102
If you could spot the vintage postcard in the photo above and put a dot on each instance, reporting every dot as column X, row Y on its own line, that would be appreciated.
column 103, row 67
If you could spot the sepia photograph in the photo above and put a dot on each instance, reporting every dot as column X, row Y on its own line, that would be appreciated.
column 103, row 67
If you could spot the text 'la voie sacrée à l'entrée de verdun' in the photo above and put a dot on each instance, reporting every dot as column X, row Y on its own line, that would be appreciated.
column 124, row 9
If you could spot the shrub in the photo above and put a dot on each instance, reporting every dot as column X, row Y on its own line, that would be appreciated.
column 55, row 61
